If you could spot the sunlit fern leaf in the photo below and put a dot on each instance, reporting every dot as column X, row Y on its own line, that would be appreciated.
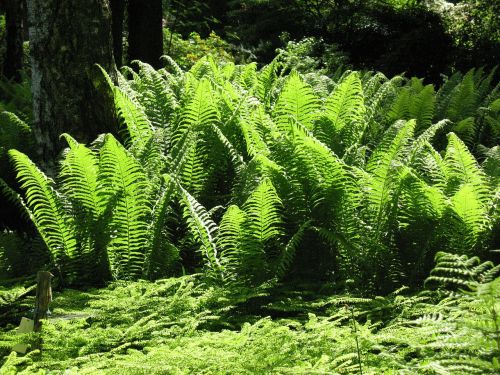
column 420, row 201
column 135, row 123
column 78, row 177
column 470, row 212
column 254, row 142
column 203, row 229
column 344, row 113
column 180, row 154
column 201, row 111
column 229, row 242
column 156, row 97
column 462, row 168
column 421, row 108
column 296, row 103
column 373, row 83
column 122, row 181
column 194, row 172
column 383, row 165
column 14, row 133
column 156, row 249
column 248, row 77
column 266, row 79
column 400, row 109
column 53, row 223
column 455, row 270
column 236, row 158
column 444, row 94
column 262, row 227
column 175, row 67
column 463, row 99
column 78, row 181
column 228, row 70
column 491, row 165
column 202, row 68
column 430, row 166
column 424, row 139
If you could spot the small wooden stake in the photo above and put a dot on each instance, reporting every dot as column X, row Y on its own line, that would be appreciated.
column 43, row 297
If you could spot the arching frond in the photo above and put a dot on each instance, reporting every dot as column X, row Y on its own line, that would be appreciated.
column 47, row 208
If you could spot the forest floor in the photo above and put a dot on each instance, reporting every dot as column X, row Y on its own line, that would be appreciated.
column 182, row 326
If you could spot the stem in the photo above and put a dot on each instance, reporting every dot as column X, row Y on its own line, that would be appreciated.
column 357, row 342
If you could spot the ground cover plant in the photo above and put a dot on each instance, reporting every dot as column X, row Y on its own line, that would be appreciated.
column 264, row 220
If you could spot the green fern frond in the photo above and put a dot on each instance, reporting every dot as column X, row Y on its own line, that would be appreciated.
column 47, row 208
column 462, row 168
column 296, row 104
column 156, row 254
column 134, row 120
column 229, row 242
column 344, row 113
column 201, row 110
column 421, row 108
column 122, row 184
column 204, row 230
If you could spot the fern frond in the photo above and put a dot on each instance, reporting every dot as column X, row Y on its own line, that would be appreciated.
column 344, row 112
column 462, row 168
column 203, row 228
column 122, row 184
column 296, row 103
column 50, row 218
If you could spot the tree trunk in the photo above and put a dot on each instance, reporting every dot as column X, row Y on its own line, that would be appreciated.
column 67, row 39
column 13, row 61
column 145, row 31
column 117, row 15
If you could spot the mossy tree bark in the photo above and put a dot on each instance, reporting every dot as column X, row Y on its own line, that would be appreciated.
column 13, row 60
column 145, row 31
column 67, row 39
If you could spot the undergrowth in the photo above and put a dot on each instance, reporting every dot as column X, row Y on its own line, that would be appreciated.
column 183, row 326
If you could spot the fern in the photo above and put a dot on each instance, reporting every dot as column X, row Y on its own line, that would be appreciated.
column 122, row 183
column 344, row 112
column 47, row 209
column 296, row 104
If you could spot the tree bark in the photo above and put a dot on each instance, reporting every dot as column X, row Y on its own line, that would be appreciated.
column 67, row 39
column 145, row 31
column 117, row 17
column 13, row 60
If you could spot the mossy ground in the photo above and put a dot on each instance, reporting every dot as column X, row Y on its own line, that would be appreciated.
column 182, row 326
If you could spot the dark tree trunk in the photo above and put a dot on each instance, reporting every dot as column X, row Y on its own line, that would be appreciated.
column 13, row 61
column 117, row 15
column 145, row 31
column 67, row 39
